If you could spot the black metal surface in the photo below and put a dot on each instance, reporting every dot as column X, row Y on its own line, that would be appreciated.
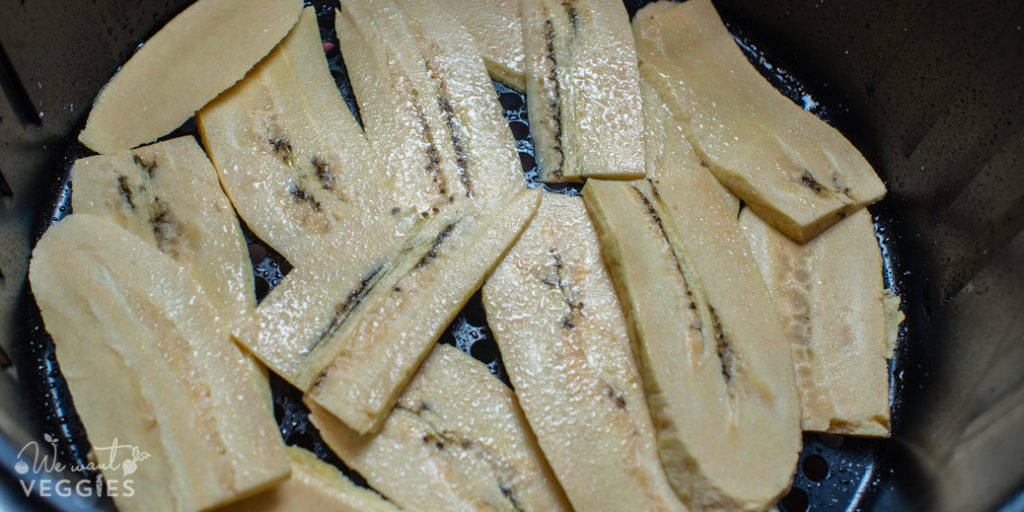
column 913, row 84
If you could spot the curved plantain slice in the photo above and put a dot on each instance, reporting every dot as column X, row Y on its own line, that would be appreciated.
column 314, row 485
column 582, row 89
column 497, row 28
column 553, row 311
column 140, row 347
column 830, row 294
column 456, row 440
column 293, row 160
column 792, row 169
column 196, row 56
column 716, row 361
column 383, row 342
column 168, row 194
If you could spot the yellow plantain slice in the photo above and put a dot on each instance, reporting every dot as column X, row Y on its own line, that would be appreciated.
column 147, row 364
column 168, row 194
column 830, row 294
column 498, row 31
column 553, row 311
column 456, row 440
column 582, row 89
column 314, row 485
column 293, row 160
column 792, row 169
column 716, row 361
column 196, row 56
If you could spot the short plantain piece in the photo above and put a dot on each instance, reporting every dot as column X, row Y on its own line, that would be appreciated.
column 582, row 89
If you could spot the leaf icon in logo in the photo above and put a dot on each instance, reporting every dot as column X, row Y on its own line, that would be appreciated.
column 49, row 438
column 128, row 467
column 21, row 467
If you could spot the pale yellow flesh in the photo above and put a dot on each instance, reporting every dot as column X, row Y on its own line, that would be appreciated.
column 386, row 340
column 168, row 194
column 313, row 485
column 293, row 160
column 564, row 343
column 147, row 364
column 829, row 292
column 791, row 168
column 195, row 57
column 498, row 31
column 582, row 90
column 716, row 361
column 455, row 441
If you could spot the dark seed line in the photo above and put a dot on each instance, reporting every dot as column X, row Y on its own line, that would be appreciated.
column 165, row 226
column 554, row 96
column 451, row 121
column 574, row 17
column 344, row 309
column 148, row 166
column 125, row 190
column 323, row 172
column 567, row 296
column 438, row 240
column 808, row 180
column 661, row 227
column 300, row 195
column 282, row 147
column 722, row 346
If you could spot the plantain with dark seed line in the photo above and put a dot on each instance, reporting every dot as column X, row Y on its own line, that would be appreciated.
column 456, row 440
column 582, row 89
column 716, row 361
column 792, row 169
column 553, row 311
column 147, row 361
column 293, row 160
column 168, row 193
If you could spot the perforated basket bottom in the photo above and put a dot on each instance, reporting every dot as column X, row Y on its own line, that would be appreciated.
column 834, row 472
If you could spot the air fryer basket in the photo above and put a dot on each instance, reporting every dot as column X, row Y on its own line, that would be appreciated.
column 931, row 92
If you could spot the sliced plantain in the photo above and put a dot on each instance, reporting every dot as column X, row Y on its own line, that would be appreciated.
column 792, row 169
column 383, row 343
column 144, row 358
column 313, row 485
column 196, row 56
column 716, row 362
column 830, row 294
column 456, row 440
column 582, row 89
column 428, row 106
column 563, row 339
column 498, row 31
column 168, row 194
column 293, row 160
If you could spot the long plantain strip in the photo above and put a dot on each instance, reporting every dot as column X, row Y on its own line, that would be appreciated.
column 553, row 311
column 147, row 363
column 456, row 440
column 831, row 297
column 792, row 169
column 716, row 361
column 582, row 89
column 168, row 193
